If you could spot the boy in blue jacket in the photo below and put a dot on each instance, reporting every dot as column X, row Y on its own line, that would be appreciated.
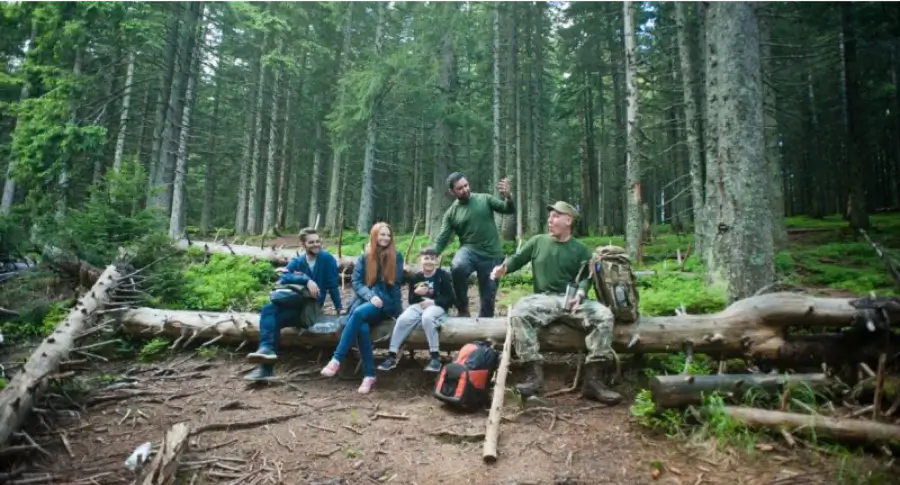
column 298, row 300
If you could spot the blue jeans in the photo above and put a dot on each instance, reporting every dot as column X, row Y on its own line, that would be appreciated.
column 357, row 331
column 465, row 261
column 287, row 313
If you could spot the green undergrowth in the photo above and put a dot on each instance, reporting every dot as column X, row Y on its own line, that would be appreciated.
column 708, row 425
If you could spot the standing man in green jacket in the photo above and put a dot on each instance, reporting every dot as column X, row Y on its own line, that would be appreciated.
column 556, row 260
column 471, row 217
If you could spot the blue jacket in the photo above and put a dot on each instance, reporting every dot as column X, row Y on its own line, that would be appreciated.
column 325, row 274
column 390, row 295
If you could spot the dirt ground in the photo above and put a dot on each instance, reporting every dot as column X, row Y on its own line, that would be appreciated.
column 397, row 434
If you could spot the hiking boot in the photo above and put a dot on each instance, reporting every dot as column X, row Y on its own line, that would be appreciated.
column 262, row 372
column 262, row 356
column 533, row 384
column 434, row 365
column 595, row 390
column 389, row 363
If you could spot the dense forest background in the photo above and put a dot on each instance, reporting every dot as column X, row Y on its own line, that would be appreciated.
column 717, row 118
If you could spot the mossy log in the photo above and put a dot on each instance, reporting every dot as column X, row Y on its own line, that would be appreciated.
column 677, row 391
column 750, row 328
column 19, row 396
column 845, row 430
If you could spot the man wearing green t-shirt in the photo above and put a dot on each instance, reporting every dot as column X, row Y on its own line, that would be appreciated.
column 556, row 260
column 471, row 217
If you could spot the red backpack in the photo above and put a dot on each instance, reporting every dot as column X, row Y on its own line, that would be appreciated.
column 464, row 383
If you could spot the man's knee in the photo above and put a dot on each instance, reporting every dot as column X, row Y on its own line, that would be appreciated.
column 597, row 313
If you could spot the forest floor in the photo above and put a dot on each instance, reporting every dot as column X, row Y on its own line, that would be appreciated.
column 400, row 433
column 397, row 434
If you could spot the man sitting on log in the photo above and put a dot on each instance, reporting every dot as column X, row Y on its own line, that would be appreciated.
column 298, row 301
column 471, row 217
column 556, row 259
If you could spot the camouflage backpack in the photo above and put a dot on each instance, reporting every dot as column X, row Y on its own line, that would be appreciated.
column 614, row 282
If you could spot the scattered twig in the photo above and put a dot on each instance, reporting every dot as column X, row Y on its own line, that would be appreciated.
column 351, row 428
column 574, row 382
column 65, row 442
column 326, row 454
column 31, row 442
column 323, row 428
column 879, row 386
column 391, row 416
column 244, row 424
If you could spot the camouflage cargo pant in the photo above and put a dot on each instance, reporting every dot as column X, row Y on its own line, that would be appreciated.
column 533, row 312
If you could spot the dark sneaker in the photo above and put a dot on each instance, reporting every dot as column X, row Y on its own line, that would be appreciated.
column 389, row 363
column 262, row 356
column 434, row 365
column 261, row 373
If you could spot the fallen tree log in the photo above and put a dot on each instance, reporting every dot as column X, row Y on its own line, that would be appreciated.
column 677, row 391
column 750, row 328
column 846, row 430
column 17, row 399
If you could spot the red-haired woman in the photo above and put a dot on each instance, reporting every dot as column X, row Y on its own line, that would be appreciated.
column 377, row 277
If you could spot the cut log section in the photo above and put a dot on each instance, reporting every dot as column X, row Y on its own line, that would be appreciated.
column 845, row 430
column 752, row 328
column 163, row 468
column 17, row 399
column 679, row 390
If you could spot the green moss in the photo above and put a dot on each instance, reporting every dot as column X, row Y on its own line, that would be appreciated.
column 662, row 294
column 227, row 282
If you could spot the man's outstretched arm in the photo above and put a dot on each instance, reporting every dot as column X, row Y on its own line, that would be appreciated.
column 521, row 258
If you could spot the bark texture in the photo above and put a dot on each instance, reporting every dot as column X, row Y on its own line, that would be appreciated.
column 741, row 255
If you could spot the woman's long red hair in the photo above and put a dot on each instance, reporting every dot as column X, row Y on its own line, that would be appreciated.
column 378, row 257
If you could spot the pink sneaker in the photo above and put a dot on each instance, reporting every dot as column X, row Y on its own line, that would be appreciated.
column 331, row 369
column 366, row 385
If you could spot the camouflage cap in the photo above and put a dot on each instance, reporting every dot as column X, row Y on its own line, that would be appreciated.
column 563, row 208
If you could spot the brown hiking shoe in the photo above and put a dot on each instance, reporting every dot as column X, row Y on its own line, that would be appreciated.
column 533, row 383
column 595, row 390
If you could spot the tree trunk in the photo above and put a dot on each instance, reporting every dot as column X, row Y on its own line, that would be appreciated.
column 859, row 217
column 332, row 216
column 123, row 120
column 752, row 328
column 21, row 393
column 271, row 162
column 209, row 181
column 162, row 97
column 179, row 197
column 495, row 167
column 9, row 185
column 742, row 253
column 446, row 156
column 62, row 201
column 691, row 121
column 366, row 216
column 168, row 147
column 678, row 391
column 770, row 106
column 314, row 209
column 634, row 221
column 253, row 190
